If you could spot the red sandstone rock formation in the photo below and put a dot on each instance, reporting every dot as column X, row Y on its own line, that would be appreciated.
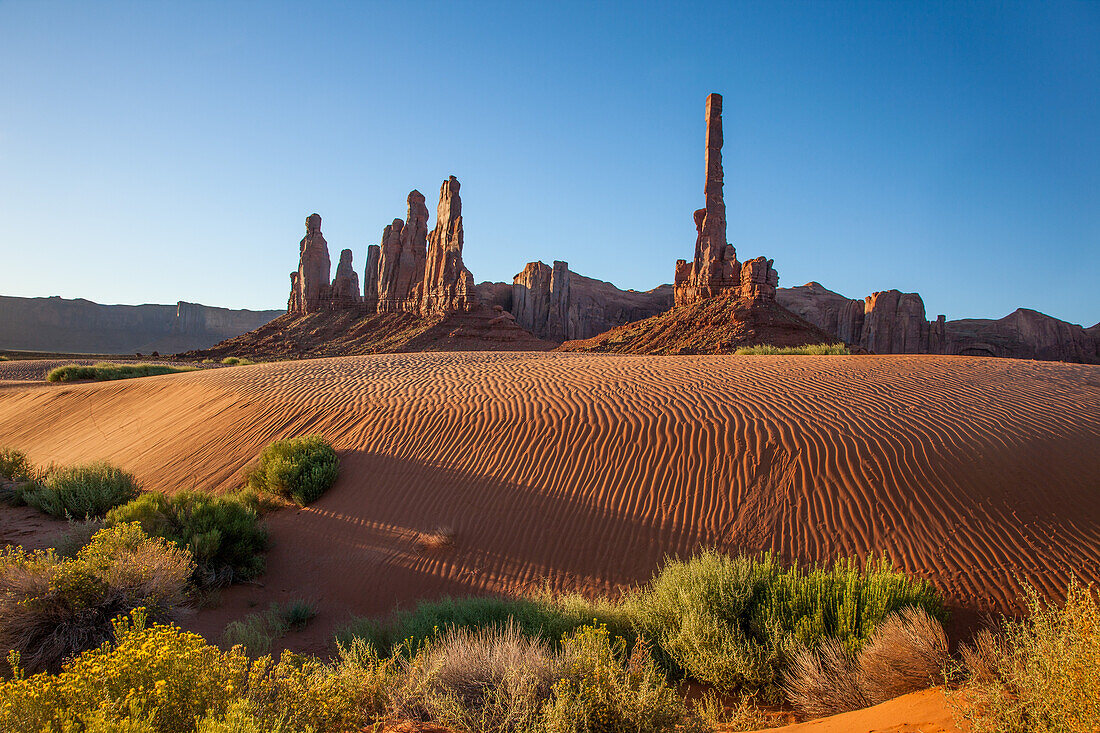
column 402, row 258
column 715, row 269
column 310, row 284
column 558, row 304
column 345, row 286
column 759, row 279
column 448, row 285
column 891, row 322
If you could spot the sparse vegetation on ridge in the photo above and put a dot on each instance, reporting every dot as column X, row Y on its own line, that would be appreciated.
column 808, row 350
column 106, row 371
column 299, row 469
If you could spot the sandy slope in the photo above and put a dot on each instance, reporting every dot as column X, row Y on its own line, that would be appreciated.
column 588, row 469
column 920, row 712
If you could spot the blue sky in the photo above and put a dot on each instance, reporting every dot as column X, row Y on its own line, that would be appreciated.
column 154, row 152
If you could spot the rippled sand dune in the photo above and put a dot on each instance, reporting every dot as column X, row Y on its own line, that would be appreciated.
column 585, row 470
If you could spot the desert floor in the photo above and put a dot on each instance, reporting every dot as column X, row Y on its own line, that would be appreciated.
column 584, row 471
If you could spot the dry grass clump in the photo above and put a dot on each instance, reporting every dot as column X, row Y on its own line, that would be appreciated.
column 257, row 631
column 494, row 680
column 907, row 652
column 1041, row 674
column 52, row 607
column 438, row 539
column 710, row 711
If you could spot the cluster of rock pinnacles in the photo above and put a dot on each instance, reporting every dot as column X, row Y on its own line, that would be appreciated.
column 418, row 271
column 411, row 271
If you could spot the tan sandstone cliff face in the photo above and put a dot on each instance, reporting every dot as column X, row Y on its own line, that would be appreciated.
column 557, row 304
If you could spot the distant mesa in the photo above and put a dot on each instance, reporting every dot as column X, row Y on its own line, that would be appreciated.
column 66, row 325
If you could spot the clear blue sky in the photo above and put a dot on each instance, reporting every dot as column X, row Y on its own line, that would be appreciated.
column 154, row 152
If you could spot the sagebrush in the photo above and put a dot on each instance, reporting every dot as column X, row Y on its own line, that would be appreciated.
column 298, row 469
column 82, row 491
column 223, row 533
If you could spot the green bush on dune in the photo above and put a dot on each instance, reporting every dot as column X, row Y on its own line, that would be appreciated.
column 736, row 622
column 298, row 469
column 105, row 371
column 237, row 361
column 222, row 533
column 808, row 350
column 83, row 491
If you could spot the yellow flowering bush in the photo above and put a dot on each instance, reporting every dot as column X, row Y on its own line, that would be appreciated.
column 1043, row 675
column 53, row 607
column 159, row 676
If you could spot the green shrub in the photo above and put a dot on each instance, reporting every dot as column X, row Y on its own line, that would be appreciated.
column 14, row 465
column 299, row 469
column 223, row 533
column 81, row 492
column 599, row 693
column 736, row 622
column 544, row 615
column 837, row 349
column 257, row 631
column 106, row 371
column 237, row 361
column 52, row 607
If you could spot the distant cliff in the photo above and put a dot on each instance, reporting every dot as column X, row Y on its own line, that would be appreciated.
column 81, row 326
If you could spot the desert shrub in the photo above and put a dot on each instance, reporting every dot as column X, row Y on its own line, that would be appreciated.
column 983, row 656
column 907, row 652
column 237, row 361
column 52, row 608
column 599, row 693
column 824, row 681
column 299, row 469
column 1043, row 674
column 14, row 465
column 494, row 680
column 77, row 535
column 305, row 693
column 84, row 491
column 545, row 615
column 155, row 673
column 106, row 371
column 709, row 711
column 257, row 631
column 838, row 349
column 223, row 533
column 736, row 622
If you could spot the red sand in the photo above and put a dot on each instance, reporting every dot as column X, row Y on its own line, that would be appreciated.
column 588, row 469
